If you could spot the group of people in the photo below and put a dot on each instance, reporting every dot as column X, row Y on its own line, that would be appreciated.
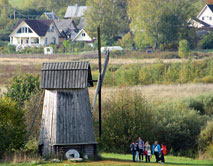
column 140, row 150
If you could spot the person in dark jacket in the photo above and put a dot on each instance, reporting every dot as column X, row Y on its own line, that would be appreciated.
column 141, row 148
column 137, row 151
column 156, row 150
column 133, row 150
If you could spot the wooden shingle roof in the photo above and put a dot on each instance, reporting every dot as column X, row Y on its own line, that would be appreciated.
column 66, row 75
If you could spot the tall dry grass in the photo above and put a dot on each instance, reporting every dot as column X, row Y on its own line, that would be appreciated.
column 20, row 157
column 160, row 93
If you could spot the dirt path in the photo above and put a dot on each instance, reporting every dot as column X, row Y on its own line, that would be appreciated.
column 113, row 61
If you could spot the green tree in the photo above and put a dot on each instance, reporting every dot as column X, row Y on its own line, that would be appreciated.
column 184, row 49
column 22, row 88
column 110, row 15
column 4, row 12
column 127, row 41
column 12, row 128
column 67, row 45
column 156, row 22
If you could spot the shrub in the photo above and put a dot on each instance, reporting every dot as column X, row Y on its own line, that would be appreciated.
column 127, row 115
column 203, row 104
column 80, row 46
column 206, row 137
column 207, row 41
column 12, row 128
column 11, row 49
column 67, row 45
column 22, row 88
column 178, row 127
column 125, row 119
column 127, row 41
column 209, row 151
column 184, row 49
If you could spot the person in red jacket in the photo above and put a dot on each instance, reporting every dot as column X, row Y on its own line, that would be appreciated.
column 163, row 153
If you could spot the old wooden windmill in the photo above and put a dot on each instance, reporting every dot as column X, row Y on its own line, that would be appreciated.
column 67, row 119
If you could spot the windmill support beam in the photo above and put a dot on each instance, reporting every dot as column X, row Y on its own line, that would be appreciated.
column 100, row 82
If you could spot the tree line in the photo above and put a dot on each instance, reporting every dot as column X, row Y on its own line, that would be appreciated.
column 155, row 23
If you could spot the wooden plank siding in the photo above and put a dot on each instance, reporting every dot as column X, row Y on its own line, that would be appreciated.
column 66, row 75
column 67, row 118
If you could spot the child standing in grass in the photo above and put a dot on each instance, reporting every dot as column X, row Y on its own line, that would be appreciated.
column 133, row 150
column 147, row 151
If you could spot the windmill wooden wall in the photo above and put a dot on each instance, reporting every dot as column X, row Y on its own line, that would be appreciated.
column 67, row 119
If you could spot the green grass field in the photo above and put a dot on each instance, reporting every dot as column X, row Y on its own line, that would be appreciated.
column 110, row 159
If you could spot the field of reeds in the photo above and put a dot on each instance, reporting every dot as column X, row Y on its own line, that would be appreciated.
column 123, row 71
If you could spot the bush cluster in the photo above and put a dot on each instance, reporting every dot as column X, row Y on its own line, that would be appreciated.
column 126, row 117
column 159, row 73
column 12, row 128
column 16, row 110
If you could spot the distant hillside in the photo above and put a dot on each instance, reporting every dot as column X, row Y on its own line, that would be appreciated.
column 17, row 3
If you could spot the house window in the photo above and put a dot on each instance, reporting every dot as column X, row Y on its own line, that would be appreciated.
column 24, row 30
column 46, row 41
column 54, row 40
column 19, row 30
column 52, row 30
column 36, row 41
column 83, row 34
column 29, row 30
column 202, row 18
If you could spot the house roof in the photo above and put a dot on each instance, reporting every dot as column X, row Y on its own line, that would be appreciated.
column 79, row 33
column 82, row 23
column 66, row 75
column 75, row 11
column 38, row 26
column 51, row 15
column 200, row 21
column 210, row 7
column 65, row 24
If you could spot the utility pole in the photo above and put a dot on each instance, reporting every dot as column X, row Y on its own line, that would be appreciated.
column 99, row 94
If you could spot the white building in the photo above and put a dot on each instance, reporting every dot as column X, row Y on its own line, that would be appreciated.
column 34, row 33
column 204, row 18
column 75, row 11
column 82, row 36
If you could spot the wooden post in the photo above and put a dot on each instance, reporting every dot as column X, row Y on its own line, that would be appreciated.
column 99, row 95
column 102, row 79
